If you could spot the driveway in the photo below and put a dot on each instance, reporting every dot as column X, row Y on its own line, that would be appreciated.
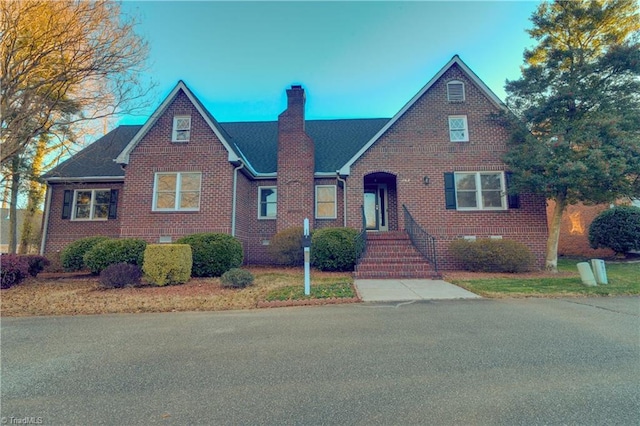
column 510, row 362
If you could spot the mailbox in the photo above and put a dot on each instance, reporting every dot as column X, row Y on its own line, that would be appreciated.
column 306, row 241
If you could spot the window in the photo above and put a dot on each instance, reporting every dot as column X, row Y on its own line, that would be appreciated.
column 458, row 128
column 177, row 191
column 181, row 128
column 326, row 202
column 480, row 191
column 268, row 202
column 455, row 91
column 91, row 204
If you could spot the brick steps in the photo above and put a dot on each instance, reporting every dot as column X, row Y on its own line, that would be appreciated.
column 391, row 255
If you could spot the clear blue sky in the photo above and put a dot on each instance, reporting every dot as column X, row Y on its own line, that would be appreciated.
column 354, row 59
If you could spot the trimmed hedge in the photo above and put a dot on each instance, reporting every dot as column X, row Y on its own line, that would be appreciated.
column 110, row 252
column 14, row 269
column 334, row 249
column 72, row 256
column 617, row 229
column 167, row 263
column 285, row 247
column 488, row 255
column 237, row 278
column 120, row 275
column 213, row 254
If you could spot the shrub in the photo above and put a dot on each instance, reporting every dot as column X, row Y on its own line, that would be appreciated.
column 72, row 257
column 120, row 275
column 167, row 263
column 237, row 278
column 14, row 269
column 488, row 255
column 213, row 254
column 36, row 264
column 286, row 247
column 110, row 252
column 333, row 249
column 617, row 228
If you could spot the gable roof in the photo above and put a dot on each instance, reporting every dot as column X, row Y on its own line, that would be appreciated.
column 123, row 158
column 345, row 169
column 96, row 160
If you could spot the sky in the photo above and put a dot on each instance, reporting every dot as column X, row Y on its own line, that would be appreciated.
column 354, row 59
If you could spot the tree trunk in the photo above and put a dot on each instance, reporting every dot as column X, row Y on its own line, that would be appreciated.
column 36, row 193
column 13, row 205
column 551, row 263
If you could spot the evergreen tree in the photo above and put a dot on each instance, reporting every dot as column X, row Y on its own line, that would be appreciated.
column 579, row 98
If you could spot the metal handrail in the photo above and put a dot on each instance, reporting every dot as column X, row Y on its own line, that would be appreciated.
column 361, row 238
column 421, row 239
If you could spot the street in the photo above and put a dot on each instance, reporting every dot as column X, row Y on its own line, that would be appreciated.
column 503, row 362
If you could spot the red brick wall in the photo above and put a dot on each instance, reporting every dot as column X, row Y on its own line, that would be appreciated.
column 296, row 161
column 60, row 232
column 574, row 230
column 156, row 153
column 418, row 145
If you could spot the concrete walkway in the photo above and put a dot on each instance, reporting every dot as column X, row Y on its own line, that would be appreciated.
column 396, row 290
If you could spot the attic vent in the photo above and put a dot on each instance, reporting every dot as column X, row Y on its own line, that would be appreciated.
column 455, row 91
column 181, row 128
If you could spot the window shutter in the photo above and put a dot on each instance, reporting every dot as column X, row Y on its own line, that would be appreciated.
column 513, row 200
column 66, row 204
column 450, row 191
column 113, row 204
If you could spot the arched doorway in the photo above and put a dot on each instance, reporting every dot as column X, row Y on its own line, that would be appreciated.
column 380, row 202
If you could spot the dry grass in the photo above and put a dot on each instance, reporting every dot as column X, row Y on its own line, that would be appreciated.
column 80, row 294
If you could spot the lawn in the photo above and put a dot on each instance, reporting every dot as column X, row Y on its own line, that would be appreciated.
column 624, row 279
column 76, row 294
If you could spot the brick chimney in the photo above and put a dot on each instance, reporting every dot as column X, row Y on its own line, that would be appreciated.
column 296, row 162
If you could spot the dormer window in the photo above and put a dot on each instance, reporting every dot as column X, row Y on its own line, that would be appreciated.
column 455, row 91
column 181, row 128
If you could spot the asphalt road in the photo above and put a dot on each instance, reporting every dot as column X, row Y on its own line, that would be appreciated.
column 502, row 362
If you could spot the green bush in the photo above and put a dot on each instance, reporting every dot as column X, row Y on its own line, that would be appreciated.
column 72, row 256
column 333, row 249
column 285, row 247
column 213, row 254
column 167, row 263
column 617, row 228
column 110, row 252
column 237, row 278
column 120, row 275
column 488, row 255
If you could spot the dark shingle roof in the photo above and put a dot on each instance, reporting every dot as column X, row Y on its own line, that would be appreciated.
column 96, row 160
column 336, row 142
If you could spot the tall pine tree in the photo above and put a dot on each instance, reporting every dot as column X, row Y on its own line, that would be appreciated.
column 579, row 100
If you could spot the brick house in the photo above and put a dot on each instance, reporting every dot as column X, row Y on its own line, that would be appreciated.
column 183, row 172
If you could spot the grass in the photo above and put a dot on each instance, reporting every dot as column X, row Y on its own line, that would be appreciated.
column 329, row 290
column 79, row 294
column 624, row 279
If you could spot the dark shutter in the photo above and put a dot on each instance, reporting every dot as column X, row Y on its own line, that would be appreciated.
column 66, row 204
column 450, row 191
column 113, row 204
column 513, row 200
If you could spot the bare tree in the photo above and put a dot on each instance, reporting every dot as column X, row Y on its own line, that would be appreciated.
column 62, row 64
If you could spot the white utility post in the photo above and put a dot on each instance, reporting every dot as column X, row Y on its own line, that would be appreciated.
column 306, row 243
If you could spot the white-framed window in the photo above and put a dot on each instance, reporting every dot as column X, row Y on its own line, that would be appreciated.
column 455, row 91
column 91, row 204
column 181, row 128
column 326, row 205
column 480, row 191
column 458, row 131
column 177, row 191
column 267, row 202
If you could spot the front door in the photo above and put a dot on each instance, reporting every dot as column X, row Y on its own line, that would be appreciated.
column 375, row 207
